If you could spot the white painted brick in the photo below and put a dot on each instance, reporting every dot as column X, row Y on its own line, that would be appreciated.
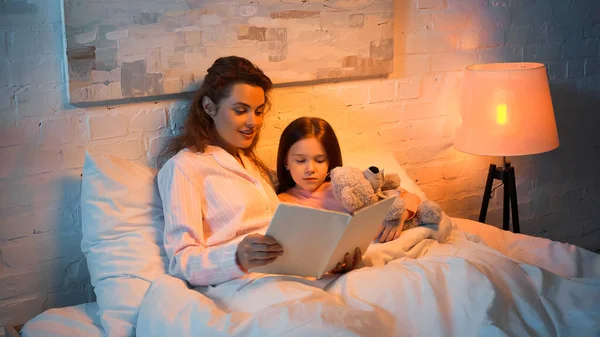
column 41, row 161
column 575, row 68
column 382, row 92
column 23, row 308
column 420, row 110
column 452, row 61
column 531, row 15
column 557, row 69
column 521, row 35
column 561, row 32
column 19, row 133
column 431, row 4
column 43, row 277
column 108, row 126
column 376, row 114
column 416, row 21
column 542, row 53
column 429, row 42
column 354, row 95
column 34, row 102
column 8, row 112
column 270, row 134
column 30, row 12
column 451, row 21
column 68, row 130
column 587, row 48
column 127, row 148
column 39, row 248
column 72, row 158
column 13, row 159
column 592, row 65
column 408, row 88
column 156, row 145
column 41, row 220
column 506, row 53
column 480, row 39
column 412, row 65
column 42, row 70
column 35, row 40
column 149, row 120
column 4, row 38
column 591, row 30
column 4, row 79
column 499, row 3
column 177, row 113
column 60, row 185
column 290, row 99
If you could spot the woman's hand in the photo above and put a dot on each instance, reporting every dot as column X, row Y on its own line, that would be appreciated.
column 257, row 250
column 350, row 262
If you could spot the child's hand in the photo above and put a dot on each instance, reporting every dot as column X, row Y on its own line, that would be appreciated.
column 257, row 250
column 389, row 232
column 349, row 263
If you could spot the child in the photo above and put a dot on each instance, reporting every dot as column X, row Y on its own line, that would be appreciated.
column 308, row 150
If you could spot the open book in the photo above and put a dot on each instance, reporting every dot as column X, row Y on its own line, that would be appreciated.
column 315, row 240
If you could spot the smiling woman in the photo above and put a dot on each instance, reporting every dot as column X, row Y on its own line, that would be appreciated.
column 216, row 194
column 238, row 117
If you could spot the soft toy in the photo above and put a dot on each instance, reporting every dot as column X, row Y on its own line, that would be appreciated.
column 355, row 189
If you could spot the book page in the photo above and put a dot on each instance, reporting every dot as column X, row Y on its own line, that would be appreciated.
column 361, row 230
column 308, row 237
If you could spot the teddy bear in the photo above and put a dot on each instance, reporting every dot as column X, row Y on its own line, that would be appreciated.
column 355, row 189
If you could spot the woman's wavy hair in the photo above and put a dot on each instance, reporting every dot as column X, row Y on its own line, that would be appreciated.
column 199, row 128
column 301, row 128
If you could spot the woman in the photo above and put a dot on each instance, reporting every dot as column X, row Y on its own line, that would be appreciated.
column 215, row 191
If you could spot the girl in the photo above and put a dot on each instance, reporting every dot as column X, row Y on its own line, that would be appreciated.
column 308, row 150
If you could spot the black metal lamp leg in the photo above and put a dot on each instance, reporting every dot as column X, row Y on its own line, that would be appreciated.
column 487, row 194
column 507, row 199
column 513, row 199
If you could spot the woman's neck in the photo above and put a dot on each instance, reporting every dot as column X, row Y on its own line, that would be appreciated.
column 232, row 150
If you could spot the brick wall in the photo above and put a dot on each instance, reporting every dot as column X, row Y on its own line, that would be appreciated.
column 413, row 113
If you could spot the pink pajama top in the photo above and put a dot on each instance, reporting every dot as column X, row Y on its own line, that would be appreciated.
column 211, row 202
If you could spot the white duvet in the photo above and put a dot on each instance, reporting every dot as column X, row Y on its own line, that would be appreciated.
column 482, row 282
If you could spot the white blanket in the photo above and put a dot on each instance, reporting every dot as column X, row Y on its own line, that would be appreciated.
column 482, row 282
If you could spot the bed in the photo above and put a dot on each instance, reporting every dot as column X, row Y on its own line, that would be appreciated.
column 480, row 281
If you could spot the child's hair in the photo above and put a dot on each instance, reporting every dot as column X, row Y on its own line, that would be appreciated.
column 301, row 128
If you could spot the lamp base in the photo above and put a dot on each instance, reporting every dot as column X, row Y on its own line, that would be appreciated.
column 506, row 174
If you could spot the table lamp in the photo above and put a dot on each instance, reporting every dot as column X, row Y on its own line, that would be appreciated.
column 506, row 110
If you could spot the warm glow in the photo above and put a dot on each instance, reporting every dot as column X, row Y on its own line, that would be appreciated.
column 489, row 90
column 501, row 114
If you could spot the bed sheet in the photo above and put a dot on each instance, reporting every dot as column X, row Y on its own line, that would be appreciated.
column 482, row 282
column 75, row 321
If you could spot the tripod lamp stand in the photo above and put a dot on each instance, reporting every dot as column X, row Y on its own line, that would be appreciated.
column 506, row 110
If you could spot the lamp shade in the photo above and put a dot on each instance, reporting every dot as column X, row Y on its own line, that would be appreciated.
column 506, row 110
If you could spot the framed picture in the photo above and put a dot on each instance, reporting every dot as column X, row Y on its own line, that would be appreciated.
column 119, row 49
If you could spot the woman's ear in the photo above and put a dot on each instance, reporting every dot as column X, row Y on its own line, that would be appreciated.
column 287, row 167
column 209, row 106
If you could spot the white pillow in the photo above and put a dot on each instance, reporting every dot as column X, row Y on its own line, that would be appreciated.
column 122, row 223
column 383, row 160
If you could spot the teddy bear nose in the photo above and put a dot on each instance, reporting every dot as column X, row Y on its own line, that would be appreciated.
column 374, row 169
